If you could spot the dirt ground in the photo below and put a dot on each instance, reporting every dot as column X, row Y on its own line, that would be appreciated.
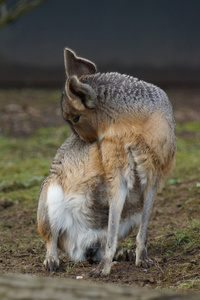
column 21, row 248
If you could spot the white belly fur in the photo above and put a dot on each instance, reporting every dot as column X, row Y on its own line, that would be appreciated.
column 69, row 215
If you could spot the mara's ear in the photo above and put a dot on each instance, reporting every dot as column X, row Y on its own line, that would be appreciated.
column 76, row 65
column 81, row 95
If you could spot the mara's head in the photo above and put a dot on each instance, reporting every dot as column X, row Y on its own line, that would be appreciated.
column 79, row 99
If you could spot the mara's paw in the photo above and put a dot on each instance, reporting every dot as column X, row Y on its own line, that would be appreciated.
column 145, row 263
column 142, row 260
column 101, row 270
column 123, row 254
column 51, row 263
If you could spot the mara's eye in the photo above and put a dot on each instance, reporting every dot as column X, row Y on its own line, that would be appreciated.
column 76, row 119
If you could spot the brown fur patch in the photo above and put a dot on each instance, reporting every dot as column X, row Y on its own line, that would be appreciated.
column 44, row 227
column 152, row 142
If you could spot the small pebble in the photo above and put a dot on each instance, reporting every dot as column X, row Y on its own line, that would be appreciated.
column 151, row 280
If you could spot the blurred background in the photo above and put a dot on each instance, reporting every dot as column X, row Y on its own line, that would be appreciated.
column 157, row 41
column 154, row 40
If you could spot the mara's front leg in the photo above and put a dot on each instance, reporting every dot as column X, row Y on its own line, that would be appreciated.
column 142, row 259
column 115, row 209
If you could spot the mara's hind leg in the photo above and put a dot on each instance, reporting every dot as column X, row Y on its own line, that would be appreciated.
column 51, row 261
column 142, row 259
column 47, row 229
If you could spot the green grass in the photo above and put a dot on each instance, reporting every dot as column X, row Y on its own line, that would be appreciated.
column 28, row 96
column 187, row 166
column 24, row 163
column 189, row 284
column 188, row 127
column 187, row 239
column 183, row 241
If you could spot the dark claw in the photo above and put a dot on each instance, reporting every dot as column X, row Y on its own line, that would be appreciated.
column 51, row 264
column 101, row 270
column 124, row 255
column 52, row 267
column 146, row 264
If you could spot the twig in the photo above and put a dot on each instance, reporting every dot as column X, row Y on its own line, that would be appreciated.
column 18, row 10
